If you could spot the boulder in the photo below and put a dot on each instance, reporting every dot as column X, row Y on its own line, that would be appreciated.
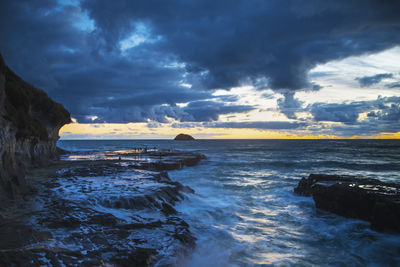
column 355, row 197
column 184, row 137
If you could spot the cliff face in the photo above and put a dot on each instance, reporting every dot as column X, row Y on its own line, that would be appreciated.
column 29, row 125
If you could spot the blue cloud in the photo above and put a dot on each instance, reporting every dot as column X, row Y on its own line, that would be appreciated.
column 262, row 125
column 367, row 81
column 289, row 105
column 175, row 51
column 383, row 109
column 393, row 85
column 210, row 111
column 346, row 113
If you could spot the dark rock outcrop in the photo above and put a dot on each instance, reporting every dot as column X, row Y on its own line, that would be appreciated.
column 103, row 212
column 355, row 197
column 29, row 125
column 183, row 137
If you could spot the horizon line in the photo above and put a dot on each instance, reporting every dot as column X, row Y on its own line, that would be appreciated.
column 202, row 139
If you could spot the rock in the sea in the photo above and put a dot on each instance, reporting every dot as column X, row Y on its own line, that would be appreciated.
column 29, row 125
column 355, row 197
column 183, row 137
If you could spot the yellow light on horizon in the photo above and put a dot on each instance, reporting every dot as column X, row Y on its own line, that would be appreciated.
column 138, row 130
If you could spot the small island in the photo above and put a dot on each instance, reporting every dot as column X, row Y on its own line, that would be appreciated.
column 183, row 137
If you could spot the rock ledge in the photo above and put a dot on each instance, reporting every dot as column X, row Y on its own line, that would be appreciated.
column 355, row 197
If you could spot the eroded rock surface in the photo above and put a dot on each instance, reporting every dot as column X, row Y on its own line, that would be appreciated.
column 355, row 197
column 111, row 209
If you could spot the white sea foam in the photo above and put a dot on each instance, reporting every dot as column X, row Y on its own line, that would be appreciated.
column 245, row 214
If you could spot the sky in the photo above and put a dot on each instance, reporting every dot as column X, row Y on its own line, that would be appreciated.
column 213, row 69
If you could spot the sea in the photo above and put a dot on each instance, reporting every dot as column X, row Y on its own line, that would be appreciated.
column 244, row 211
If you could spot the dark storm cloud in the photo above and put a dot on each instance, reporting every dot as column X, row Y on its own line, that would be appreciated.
column 74, row 51
column 389, row 113
column 384, row 109
column 288, row 105
column 210, row 111
column 43, row 43
column 154, row 97
column 365, row 128
column 393, row 85
column 263, row 125
column 383, row 116
column 133, row 110
column 239, row 40
column 371, row 80
column 346, row 113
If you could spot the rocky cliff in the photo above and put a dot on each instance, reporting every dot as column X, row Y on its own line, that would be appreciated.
column 29, row 125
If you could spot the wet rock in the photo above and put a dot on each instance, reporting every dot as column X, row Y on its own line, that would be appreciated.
column 187, row 189
column 149, row 225
column 138, row 257
column 355, row 197
column 304, row 187
column 168, row 209
column 65, row 222
column 100, row 210
column 182, row 232
column 103, row 219
column 43, row 236
column 14, row 234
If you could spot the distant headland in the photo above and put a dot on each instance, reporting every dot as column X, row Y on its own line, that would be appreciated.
column 183, row 137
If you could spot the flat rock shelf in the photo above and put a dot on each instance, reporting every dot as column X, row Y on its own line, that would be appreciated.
column 109, row 208
column 355, row 197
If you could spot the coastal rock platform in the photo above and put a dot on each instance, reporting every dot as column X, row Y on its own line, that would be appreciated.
column 105, row 208
column 355, row 197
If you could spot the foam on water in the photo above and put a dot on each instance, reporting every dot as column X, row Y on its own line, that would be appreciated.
column 245, row 214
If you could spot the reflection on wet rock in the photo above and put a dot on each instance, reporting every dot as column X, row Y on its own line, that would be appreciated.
column 100, row 210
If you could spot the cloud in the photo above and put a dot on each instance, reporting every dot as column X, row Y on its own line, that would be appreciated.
column 289, row 105
column 129, row 61
column 367, row 81
column 75, row 68
column 278, row 40
column 346, row 113
column 210, row 111
column 261, row 125
column 382, row 110
column 186, row 125
column 393, row 85
column 389, row 113
column 365, row 128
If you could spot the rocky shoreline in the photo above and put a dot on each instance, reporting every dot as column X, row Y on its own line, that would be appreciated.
column 104, row 212
column 355, row 197
column 104, row 208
